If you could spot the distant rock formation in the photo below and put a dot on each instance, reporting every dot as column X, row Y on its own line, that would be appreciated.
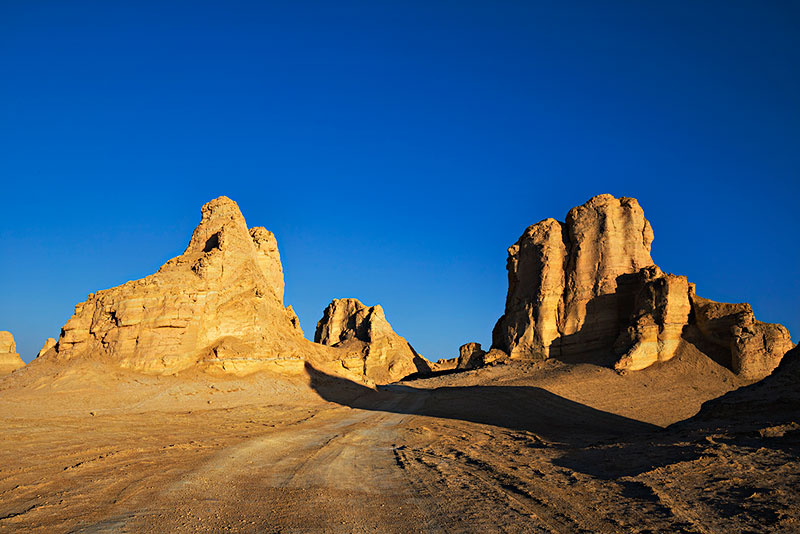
column 48, row 344
column 587, row 290
column 470, row 356
column 219, row 306
column 376, row 350
column 9, row 359
column 756, row 348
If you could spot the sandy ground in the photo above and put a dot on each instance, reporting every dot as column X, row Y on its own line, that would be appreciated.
column 515, row 448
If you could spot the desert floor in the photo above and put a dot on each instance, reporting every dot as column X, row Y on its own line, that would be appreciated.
column 549, row 447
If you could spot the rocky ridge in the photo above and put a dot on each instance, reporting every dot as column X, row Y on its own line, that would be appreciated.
column 10, row 360
column 588, row 290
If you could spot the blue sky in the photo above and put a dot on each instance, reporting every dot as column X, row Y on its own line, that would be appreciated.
column 396, row 149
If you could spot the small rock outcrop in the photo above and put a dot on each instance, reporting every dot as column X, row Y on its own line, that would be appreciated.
column 587, row 290
column 376, row 350
column 219, row 306
column 48, row 344
column 562, row 279
column 756, row 348
column 10, row 360
column 470, row 356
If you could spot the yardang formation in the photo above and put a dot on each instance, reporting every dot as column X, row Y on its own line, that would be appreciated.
column 587, row 290
column 218, row 307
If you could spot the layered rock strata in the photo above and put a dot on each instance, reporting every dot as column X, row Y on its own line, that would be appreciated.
column 10, row 360
column 375, row 349
column 218, row 305
column 587, row 290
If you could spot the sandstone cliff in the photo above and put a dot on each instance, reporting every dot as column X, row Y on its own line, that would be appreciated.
column 218, row 306
column 587, row 290
column 9, row 359
column 375, row 349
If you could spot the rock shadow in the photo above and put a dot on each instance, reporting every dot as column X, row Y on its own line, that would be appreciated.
column 594, row 342
column 551, row 417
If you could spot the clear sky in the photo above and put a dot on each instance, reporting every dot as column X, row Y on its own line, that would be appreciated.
column 396, row 149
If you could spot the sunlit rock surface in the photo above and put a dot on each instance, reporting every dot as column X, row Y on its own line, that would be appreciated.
column 10, row 360
column 218, row 305
column 376, row 350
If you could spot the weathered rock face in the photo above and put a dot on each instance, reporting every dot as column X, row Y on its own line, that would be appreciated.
column 376, row 350
column 608, row 237
column 587, row 289
column 219, row 304
column 660, row 311
column 535, row 303
column 562, row 298
column 9, row 359
column 756, row 347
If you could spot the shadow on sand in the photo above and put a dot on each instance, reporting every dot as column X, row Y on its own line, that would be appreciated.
column 592, row 441
column 549, row 416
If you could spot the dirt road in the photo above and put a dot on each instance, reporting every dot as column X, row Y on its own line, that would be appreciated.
column 334, row 472
column 545, row 454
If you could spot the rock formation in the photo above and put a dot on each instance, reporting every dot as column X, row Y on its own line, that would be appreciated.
column 219, row 306
column 470, row 356
column 48, row 344
column 9, row 359
column 587, row 290
column 756, row 348
column 376, row 350
column 660, row 310
column 444, row 364
column 562, row 279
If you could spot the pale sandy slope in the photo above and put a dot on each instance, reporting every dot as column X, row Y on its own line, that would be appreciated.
column 546, row 448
